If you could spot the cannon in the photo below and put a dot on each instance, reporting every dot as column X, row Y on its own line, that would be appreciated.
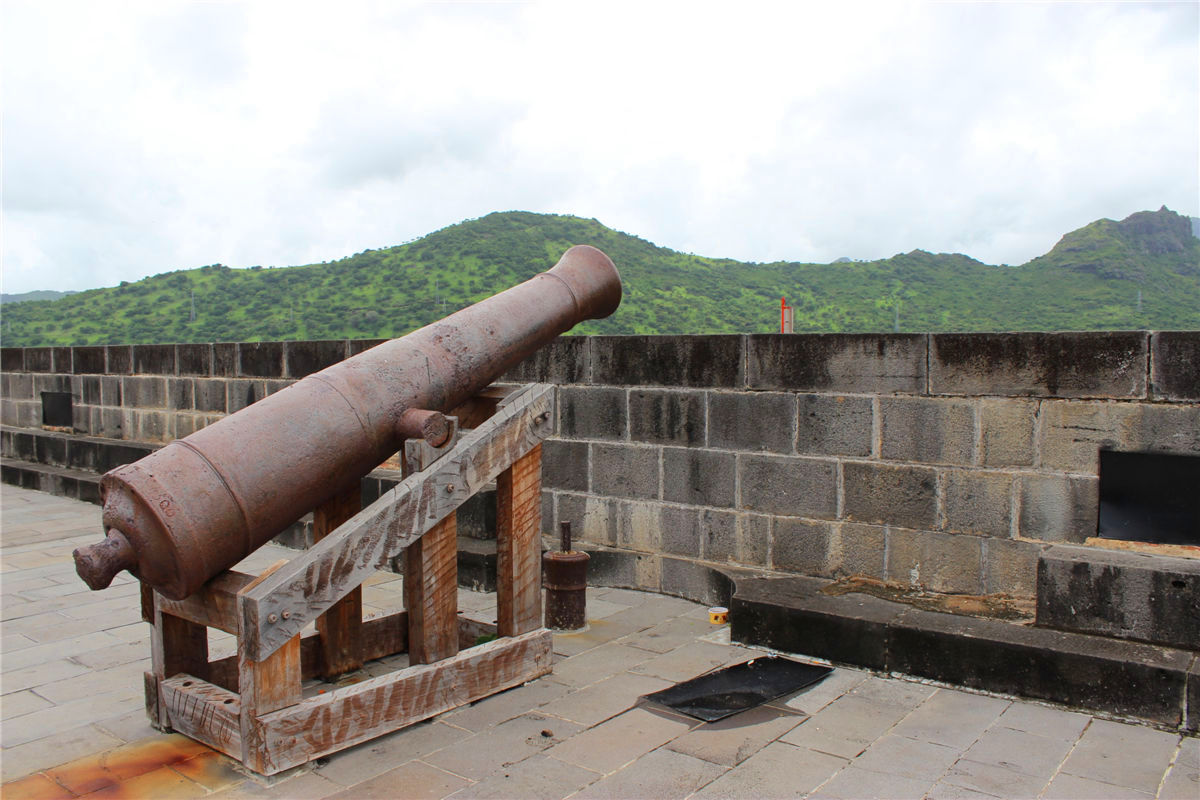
column 185, row 513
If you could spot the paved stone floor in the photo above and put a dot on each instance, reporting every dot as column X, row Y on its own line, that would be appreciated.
column 73, row 724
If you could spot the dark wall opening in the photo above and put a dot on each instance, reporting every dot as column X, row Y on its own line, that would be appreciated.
column 56, row 409
column 1150, row 497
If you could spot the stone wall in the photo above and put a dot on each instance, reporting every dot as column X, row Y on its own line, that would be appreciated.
column 944, row 460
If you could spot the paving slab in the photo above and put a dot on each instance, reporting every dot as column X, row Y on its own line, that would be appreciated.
column 1128, row 756
column 536, row 776
column 663, row 773
column 778, row 770
column 617, row 742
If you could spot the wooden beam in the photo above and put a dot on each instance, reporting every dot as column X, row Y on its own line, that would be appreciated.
column 431, row 594
column 205, row 712
column 519, row 545
column 214, row 605
column 340, row 627
column 339, row 719
column 315, row 580
column 264, row 685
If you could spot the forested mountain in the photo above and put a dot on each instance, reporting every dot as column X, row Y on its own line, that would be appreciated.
column 1140, row 273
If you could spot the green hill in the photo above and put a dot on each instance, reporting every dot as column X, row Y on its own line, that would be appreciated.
column 1140, row 273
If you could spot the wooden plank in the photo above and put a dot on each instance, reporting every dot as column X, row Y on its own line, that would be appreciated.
column 264, row 685
column 205, row 712
column 431, row 594
column 518, row 545
column 312, row 582
column 339, row 719
column 381, row 637
column 214, row 605
column 340, row 627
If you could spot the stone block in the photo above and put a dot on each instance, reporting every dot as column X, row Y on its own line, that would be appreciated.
column 182, row 425
column 1073, row 433
column 941, row 562
column 154, row 359
column 1175, row 365
column 1165, row 429
column 1006, row 432
column 194, row 359
column 356, row 346
column 88, row 360
column 1191, row 722
column 12, row 359
column 639, row 526
column 666, row 417
column 1150, row 598
column 565, row 465
column 63, row 359
column 802, row 546
column 866, row 363
column 564, row 360
column 889, row 495
column 144, row 392
column 699, row 583
column 858, row 550
column 593, row 519
column 151, row 426
column 90, row 393
column 210, row 394
column 1087, row 672
column 592, row 412
column 686, row 361
column 791, row 615
column 112, row 423
column 681, row 531
column 51, row 449
column 19, row 386
column 179, row 394
column 625, row 470
column 110, row 390
column 927, row 430
column 978, row 501
column 1058, row 508
column 39, row 359
column 831, row 425
column 305, row 358
column 799, row 487
column 699, row 477
column 1072, row 364
column 1010, row 567
column 118, row 358
column 753, row 538
column 52, row 383
column 225, row 359
column 277, row 385
column 242, row 393
column 753, row 421
column 260, row 359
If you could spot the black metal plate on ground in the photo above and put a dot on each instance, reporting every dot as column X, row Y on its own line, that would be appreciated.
column 724, row 692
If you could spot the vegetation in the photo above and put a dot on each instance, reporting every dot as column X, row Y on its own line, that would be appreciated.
column 1140, row 273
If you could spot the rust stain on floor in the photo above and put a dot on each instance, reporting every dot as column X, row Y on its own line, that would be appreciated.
column 171, row 766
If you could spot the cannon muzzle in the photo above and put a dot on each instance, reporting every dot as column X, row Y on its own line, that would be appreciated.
column 196, row 507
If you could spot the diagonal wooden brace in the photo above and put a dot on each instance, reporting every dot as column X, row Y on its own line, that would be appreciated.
column 312, row 582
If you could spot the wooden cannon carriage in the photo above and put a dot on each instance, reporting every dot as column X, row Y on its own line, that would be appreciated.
column 251, row 706
column 184, row 515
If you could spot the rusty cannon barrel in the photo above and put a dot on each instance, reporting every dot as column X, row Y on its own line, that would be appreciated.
column 196, row 507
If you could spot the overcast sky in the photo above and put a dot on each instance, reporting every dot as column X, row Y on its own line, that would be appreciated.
column 140, row 138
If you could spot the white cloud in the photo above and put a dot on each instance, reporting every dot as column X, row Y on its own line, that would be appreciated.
column 143, row 137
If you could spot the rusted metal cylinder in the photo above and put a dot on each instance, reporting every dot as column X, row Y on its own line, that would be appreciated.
column 196, row 507
column 564, row 576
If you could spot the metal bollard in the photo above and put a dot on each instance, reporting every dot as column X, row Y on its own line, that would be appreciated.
column 565, row 579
